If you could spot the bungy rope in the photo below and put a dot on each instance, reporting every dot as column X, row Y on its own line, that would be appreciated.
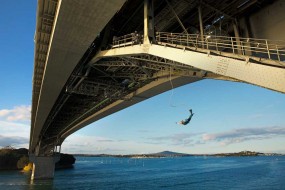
column 172, row 90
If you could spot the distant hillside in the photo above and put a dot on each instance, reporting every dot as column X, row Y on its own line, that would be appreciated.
column 152, row 155
column 247, row 153
column 170, row 154
column 176, row 154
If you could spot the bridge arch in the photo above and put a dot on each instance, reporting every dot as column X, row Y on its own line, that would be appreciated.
column 78, row 80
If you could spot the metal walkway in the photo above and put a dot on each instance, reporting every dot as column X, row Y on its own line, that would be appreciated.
column 256, row 61
column 260, row 50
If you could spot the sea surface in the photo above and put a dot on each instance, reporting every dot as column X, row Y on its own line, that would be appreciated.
column 160, row 173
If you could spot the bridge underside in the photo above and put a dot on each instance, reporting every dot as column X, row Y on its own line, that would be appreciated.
column 118, row 78
column 144, row 52
column 112, row 84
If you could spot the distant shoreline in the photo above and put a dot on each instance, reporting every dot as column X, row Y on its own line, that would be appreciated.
column 175, row 154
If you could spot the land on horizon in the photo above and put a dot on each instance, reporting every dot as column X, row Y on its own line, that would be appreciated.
column 176, row 154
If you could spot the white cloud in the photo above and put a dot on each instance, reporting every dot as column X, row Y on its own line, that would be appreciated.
column 13, row 141
column 14, row 129
column 184, row 139
column 4, row 112
column 14, row 134
column 18, row 113
column 99, row 145
column 15, row 126
column 89, row 144
column 245, row 134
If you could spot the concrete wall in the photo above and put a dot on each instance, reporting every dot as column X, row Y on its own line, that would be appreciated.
column 43, row 167
column 269, row 22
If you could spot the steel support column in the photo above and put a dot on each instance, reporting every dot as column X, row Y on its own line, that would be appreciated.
column 201, row 25
column 149, row 34
column 236, row 31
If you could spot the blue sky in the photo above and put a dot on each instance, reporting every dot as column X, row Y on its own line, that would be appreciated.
column 229, row 117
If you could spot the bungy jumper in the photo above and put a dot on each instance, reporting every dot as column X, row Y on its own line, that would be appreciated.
column 186, row 121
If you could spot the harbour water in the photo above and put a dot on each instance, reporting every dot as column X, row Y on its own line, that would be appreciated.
column 160, row 173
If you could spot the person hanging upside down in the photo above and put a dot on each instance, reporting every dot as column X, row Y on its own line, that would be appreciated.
column 186, row 121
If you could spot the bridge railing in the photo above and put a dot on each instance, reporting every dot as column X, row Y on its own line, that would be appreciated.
column 264, row 48
column 127, row 40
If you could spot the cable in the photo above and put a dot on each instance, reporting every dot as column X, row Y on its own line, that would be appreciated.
column 172, row 90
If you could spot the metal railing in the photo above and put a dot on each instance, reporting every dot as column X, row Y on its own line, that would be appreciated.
column 263, row 48
column 126, row 40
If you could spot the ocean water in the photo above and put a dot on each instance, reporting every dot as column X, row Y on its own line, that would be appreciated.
column 160, row 173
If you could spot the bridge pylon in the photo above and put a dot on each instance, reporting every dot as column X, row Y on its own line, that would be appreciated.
column 43, row 166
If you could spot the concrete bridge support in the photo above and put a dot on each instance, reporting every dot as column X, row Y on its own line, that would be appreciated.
column 43, row 166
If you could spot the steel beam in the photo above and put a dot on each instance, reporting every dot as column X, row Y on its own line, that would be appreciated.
column 149, row 36
column 201, row 24
column 261, row 75
column 177, row 18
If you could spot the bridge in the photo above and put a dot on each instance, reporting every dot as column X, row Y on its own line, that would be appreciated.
column 94, row 58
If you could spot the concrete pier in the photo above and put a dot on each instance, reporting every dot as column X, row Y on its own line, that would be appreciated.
column 43, row 167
